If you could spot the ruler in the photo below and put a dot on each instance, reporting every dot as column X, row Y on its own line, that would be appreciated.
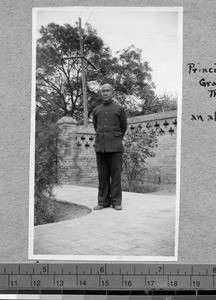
column 108, row 276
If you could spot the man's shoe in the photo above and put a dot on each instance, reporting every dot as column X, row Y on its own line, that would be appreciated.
column 117, row 207
column 99, row 207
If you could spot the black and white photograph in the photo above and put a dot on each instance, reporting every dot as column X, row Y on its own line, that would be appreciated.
column 106, row 110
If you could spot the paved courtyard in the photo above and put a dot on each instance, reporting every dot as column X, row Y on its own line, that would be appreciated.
column 145, row 226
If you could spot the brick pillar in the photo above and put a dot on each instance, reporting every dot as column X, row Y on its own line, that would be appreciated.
column 67, row 149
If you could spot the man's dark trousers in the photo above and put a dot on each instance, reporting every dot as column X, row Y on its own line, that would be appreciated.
column 109, row 172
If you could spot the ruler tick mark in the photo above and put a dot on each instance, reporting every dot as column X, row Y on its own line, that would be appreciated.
column 194, row 275
column 76, row 275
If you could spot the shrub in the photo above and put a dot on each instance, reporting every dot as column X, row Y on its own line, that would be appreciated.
column 44, row 210
column 138, row 146
column 46, row 164
column 46, row 139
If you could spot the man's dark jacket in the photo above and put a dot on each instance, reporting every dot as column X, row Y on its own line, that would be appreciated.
column 110, row 123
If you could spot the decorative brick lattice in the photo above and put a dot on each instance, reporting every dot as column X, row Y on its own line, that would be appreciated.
column 78, row 163
column 165, row 159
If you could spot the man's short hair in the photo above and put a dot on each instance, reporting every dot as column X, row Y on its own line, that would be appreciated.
column 108, row 85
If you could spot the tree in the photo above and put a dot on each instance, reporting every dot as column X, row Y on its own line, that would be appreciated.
column 138, row 146
column 58, row 75
column 167, row 102
column 131, row 79
column 59, row 86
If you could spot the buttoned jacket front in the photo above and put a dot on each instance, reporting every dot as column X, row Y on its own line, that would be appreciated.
column 110, row 123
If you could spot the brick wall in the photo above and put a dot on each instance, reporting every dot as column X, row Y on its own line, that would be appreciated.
column 76, row 148
column 165, row 158
column 85, row 139
column 78, row 163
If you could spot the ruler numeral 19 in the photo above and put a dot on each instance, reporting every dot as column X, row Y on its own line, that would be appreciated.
column 196, row 283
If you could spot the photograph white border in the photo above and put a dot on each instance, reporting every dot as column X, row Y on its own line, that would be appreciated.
column 100, row 258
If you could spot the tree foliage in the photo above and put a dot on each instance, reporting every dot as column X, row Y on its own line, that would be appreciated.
column 138, row 146
column 59, row 85
column 46, row 135
column 167, row 102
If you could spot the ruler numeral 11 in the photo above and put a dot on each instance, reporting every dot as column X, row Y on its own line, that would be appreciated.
column 13, row 283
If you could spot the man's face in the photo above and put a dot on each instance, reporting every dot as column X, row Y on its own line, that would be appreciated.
column 106, row 92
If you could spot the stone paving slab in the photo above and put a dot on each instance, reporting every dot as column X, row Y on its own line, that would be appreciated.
column 145, row 226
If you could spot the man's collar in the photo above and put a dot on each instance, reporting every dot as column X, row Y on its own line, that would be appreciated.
column 108, row 102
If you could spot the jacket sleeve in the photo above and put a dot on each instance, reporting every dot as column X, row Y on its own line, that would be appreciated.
column 123, row 122
column 94, row 119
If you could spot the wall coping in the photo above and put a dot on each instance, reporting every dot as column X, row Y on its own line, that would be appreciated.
column 67, row 120
column 81, row 129
column 153, row 117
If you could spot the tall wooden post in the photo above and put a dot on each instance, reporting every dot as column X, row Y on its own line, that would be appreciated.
column 83, row 77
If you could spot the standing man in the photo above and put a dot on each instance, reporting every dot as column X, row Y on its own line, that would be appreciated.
column 110, row 123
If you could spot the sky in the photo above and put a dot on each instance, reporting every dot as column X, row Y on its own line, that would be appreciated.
column 155, row 31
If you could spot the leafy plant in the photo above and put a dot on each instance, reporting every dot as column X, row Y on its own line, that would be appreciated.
column 59, row 84
column 46, row 138
column 46, row 164
column 138, row 146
